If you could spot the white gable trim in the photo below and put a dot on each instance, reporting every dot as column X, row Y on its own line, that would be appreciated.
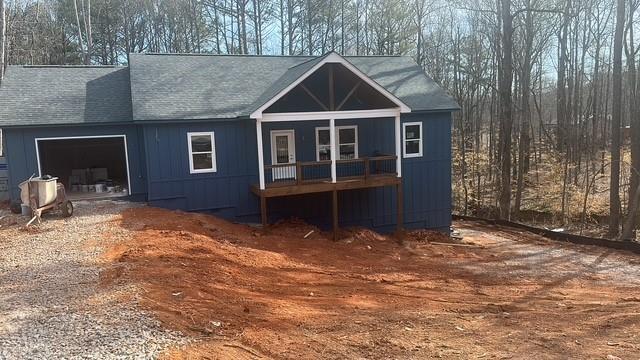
column 332, row 58
column 326, row 115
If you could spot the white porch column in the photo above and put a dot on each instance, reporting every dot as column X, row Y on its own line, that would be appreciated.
column 398, row 146
column 332, row 135
column 260, row 152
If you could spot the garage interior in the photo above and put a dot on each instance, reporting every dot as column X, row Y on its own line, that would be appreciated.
column 88, row 167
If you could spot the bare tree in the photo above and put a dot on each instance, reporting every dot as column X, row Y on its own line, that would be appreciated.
column 634, row 174
column 506, row 112
column 614, row 191
column 3, row 35
column 80, row 42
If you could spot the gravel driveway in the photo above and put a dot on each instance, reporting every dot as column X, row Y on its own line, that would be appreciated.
column 50, row 303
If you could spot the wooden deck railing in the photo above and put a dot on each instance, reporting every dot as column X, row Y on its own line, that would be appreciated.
column 319, row 171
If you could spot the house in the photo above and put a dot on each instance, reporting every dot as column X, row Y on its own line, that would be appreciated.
column 354, row 140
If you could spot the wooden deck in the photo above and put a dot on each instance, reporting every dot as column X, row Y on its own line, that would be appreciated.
column 296, row 188
column 315, row 177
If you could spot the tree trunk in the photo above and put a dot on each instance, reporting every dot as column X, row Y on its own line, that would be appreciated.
column 634, row 175
column 80, row 42
column 523, row 149
column 506, row 120
column 310, row 18
column 614, row 191
column 561, row 105
column 628, row 228
column 87, row 60
column 282, row 27
column 3, row 34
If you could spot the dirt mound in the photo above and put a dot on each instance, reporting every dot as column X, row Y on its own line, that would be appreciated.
column 428, row 236
column 296, row 228
column 248, row 295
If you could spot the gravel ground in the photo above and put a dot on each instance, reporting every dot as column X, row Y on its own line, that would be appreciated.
column 50, row 303
column 603, row 265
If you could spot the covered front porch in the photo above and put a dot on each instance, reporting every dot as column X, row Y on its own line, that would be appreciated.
column 304, row 154
column 329, row 129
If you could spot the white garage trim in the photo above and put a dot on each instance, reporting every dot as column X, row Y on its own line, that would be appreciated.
column 126, row 151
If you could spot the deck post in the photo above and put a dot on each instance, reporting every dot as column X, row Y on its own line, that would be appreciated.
column 263, row 212
column 332, row 134
column 298, row 172
column 400, row 209
column 335, row 214
column 367, row 169
column 398, row 146
column 260, row 152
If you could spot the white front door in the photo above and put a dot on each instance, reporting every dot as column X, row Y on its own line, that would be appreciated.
column 283, row 151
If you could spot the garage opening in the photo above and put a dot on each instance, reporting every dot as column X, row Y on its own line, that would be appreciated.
column 91, row 167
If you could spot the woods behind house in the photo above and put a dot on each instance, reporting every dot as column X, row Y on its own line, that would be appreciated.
column 548, row 89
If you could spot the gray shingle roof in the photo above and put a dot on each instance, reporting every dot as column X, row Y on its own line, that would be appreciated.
column 170, row 87
column 175, row 87
column 51, row 95
column 406, row 80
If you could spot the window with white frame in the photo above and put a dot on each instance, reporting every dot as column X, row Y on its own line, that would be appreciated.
column 346, row 141
column 412, row 139
column 202, row 152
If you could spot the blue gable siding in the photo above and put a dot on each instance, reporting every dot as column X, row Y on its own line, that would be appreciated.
column 23, row 162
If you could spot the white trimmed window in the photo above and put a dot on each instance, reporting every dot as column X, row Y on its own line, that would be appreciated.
column 346, row 141
column 412, row 140
column 202, row 152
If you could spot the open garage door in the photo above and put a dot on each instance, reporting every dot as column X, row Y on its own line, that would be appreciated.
column 89, row 167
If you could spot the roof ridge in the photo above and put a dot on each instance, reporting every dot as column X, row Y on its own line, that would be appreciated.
column 312, row 59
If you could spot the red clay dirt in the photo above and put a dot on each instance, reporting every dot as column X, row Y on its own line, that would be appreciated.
column 501, row 294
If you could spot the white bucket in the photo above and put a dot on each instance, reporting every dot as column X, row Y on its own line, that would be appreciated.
column 100, row 188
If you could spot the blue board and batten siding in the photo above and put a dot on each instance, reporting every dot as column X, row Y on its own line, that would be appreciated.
column 225, row 191
column 159, row 168
column 23, row 161
column 426, row 179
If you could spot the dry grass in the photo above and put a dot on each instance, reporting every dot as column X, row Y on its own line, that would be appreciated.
column 544, row 185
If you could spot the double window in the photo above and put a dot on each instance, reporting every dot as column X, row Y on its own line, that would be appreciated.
column 412, row 140
column 202, row 152
column 346, row 142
